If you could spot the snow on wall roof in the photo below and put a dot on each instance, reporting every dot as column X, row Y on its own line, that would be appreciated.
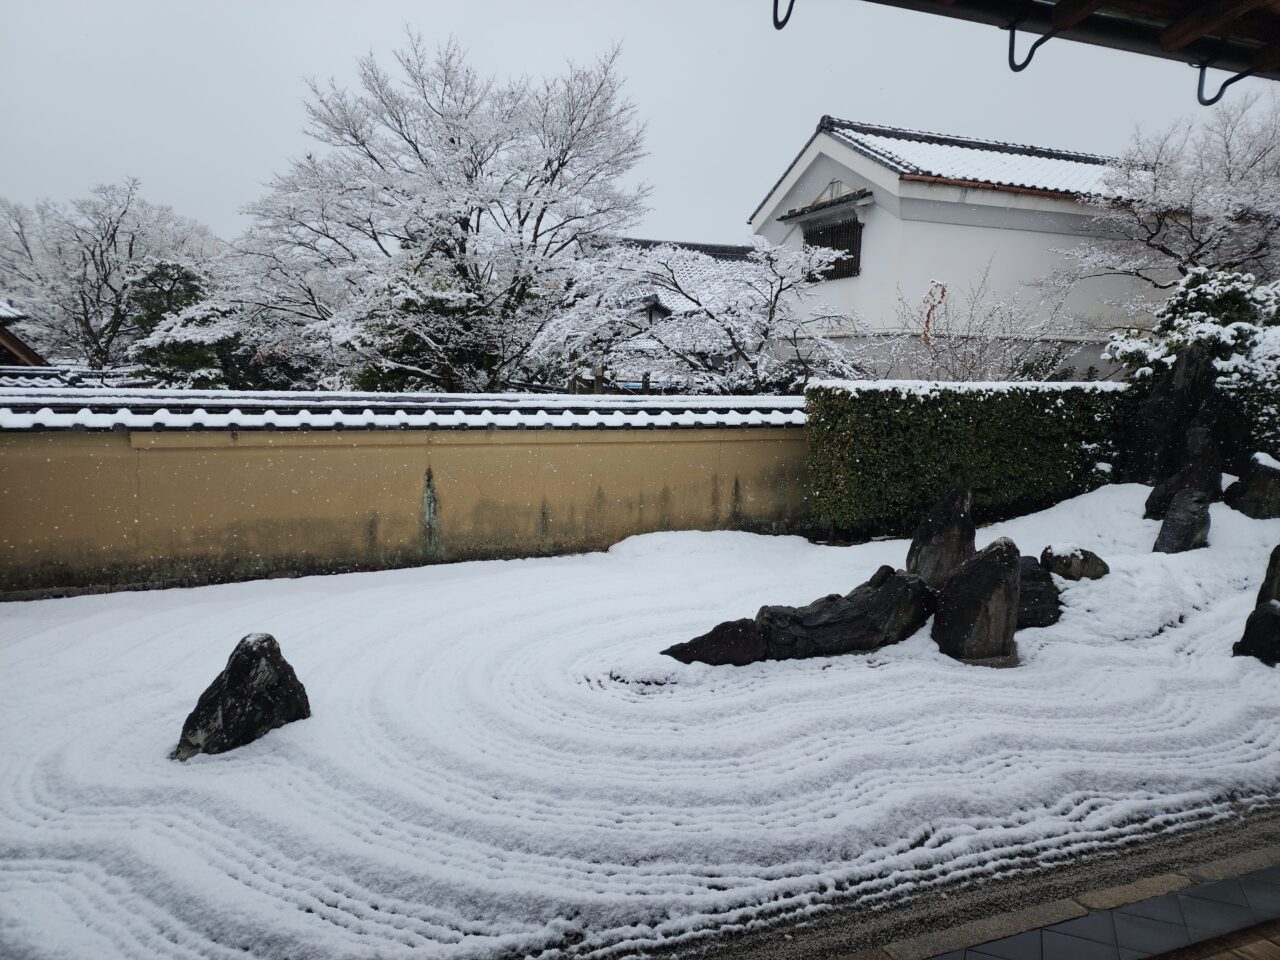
column 915, row 152
column 106, row 408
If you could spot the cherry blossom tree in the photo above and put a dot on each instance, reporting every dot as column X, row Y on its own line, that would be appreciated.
column 432, row 239
column 703, row 324
column 91, row 274
column 1196, row 195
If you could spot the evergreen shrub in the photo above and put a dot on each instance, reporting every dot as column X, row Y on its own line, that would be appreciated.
column 881, row 453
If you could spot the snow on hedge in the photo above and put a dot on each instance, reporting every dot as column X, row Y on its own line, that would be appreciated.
column 930, row 387
column 501, row 763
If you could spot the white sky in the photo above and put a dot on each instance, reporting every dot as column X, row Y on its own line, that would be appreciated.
column 203, row 101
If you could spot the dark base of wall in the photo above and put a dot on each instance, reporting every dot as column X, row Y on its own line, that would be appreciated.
column 46, row 583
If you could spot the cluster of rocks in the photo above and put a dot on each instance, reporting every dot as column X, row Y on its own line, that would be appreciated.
column 1179, row 441
column 1262, row 630
column 978, row 600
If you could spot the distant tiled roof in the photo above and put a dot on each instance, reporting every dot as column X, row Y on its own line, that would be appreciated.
column 914, row 152
column 720, row 251
column 917, row 154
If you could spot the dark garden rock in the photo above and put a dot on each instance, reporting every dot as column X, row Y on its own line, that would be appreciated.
column 1073, row 563
column 1200, row 473
column 1039, row 603
column 1186, row 524
column 256, row 692
column 736, row 643
column 1154, row 442
column 1261, row 634
column 1270, row 589
column 944, row 539
column 978, row 608
column 889, row 607
column 1257, row 493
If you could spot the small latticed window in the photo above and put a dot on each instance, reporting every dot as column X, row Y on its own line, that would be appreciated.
column 846, row 237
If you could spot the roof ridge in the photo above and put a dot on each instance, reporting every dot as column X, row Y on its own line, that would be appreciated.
column 830, row 124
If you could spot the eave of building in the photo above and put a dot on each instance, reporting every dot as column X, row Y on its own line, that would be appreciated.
column 823, row 206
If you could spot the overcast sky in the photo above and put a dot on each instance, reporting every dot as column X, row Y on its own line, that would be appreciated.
column 203, row 101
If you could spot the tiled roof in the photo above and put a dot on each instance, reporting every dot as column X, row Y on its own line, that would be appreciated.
column 720, row 251
column 915, row 153
column 104, row 408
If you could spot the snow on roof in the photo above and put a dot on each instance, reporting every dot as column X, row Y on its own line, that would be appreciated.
column 917, row 153
column 9, row 312
column 106, row 408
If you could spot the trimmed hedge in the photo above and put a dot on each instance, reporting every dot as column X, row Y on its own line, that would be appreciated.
column 881, row 453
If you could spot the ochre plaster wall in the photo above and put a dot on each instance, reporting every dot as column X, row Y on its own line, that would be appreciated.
column 113, row 509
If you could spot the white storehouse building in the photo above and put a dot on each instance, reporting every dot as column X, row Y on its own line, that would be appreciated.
column 911, row 207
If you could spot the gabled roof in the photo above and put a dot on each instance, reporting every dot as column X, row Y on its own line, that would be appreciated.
column 14, row 350
column 917, row 155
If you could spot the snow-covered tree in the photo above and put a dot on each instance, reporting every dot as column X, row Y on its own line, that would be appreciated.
column 703, row 324
column 1197, row 195
column 92, row 274
column 1236, row 321
column 433, row 237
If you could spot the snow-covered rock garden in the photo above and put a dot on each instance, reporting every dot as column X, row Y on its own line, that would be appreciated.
column 501, row 762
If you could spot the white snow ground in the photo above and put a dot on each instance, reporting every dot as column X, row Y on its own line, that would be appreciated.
column 500, row 762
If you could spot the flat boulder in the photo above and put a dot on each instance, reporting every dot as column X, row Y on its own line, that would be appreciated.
column 1073, row 563
column 1186, row 524
column 944, row 538
column 1270, row 589
column 256, row 692
column 888, row 608
column 978, row 608
column 1261, row 634
column 1039, row 602
column 733, row 643
column 1257, row 493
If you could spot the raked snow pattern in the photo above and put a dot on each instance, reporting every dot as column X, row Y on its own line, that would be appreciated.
column 500, row 763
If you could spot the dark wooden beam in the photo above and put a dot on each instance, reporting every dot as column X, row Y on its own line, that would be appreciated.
column 1067, row 13
column 1266, row 59
column 1204, row 20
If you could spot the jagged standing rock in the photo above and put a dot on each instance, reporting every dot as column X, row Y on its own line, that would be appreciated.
column 1270, row 589
column 1186, row 525
column 1201, row 473
column 1257, row 493
column 944, row 539
column 1039, row 601
column 1261, row 634
column 978, row 608
column 256, row 692
column 888, row 608
column 1156, row 431
column 1073, row 563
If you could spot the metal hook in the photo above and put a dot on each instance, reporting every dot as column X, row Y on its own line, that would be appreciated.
column 779, row 23
column 1014, row 65
column 1204, row 68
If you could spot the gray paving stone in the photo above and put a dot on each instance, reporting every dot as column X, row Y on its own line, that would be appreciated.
column 1156, row 908
column 1060, row 946
column 1264, row 898
column 1153, row 936
column 1021, row 946
column 1226, row 891
column 1095, row 926
column 1215, row 916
